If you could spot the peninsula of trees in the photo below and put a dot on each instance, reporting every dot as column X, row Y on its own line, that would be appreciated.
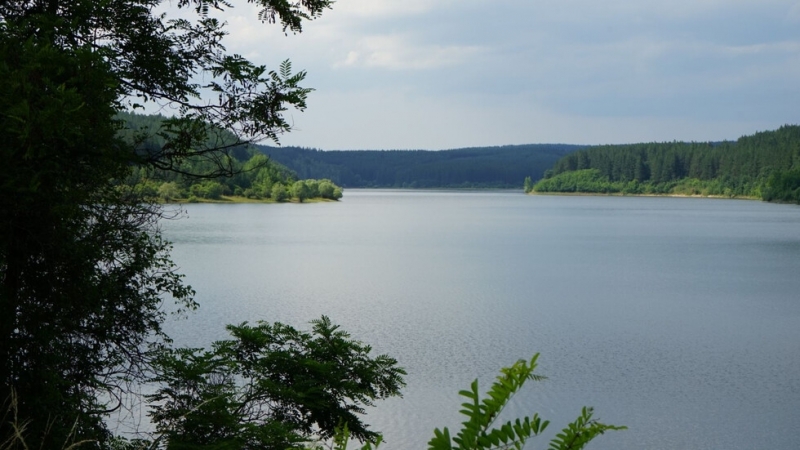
column 251, row 175
column 765, row 165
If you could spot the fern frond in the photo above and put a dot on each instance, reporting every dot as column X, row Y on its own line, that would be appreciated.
column 580, row 432
column 479, row 433
column 286, row 69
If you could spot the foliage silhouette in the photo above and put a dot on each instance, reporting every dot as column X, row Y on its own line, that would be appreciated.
column 480, row 430
column 85, row 274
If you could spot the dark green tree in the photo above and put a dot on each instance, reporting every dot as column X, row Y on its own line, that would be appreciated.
column 783, row 187
column 84, row 272
column 270, row 387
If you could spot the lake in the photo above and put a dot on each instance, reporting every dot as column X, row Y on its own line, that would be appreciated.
column 678, row 317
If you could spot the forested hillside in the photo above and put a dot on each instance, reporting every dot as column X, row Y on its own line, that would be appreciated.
column 250, row 174
column 765, row 165
column 496, row 167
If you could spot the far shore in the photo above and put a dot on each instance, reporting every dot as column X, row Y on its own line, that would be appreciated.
column 622, row 194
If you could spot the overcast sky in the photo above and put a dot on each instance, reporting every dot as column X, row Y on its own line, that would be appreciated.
column 437, row 74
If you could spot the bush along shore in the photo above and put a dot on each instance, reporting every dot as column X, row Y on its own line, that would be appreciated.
column 300, row 191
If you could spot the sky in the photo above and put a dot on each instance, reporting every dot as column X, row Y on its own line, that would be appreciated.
column 439, row 74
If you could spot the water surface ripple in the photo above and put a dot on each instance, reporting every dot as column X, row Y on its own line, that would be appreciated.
column 679, row 318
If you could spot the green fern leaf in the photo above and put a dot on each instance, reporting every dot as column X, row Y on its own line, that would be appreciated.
column 286, row 69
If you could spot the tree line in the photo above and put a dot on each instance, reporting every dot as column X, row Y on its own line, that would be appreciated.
column 251, row 174
column 479, row 167
column 764, row 165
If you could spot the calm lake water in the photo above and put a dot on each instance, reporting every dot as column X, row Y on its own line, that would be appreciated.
column 679, row 318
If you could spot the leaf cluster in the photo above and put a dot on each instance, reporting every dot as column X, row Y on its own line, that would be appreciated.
column 289, row 14
column 270, row 386
column 478, row 430
column 580, row 432
column 481, row 430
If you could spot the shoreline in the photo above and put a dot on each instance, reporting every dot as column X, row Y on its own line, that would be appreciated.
column 233, row 200
column 620, row 194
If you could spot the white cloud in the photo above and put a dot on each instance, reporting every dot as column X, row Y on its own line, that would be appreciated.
column 350, row 60
column 770, row 48
column 398, row 53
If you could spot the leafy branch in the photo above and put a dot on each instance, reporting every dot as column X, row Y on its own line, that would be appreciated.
column 479, row 432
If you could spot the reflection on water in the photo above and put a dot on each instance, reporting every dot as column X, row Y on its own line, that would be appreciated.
column 677, row 317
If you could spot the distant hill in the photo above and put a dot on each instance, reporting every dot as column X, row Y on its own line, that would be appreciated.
column 764, row 165
column 477, row 167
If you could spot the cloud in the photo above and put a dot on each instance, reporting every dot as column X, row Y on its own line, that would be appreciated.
column 445, row 73
column 776, row 48
column 631, row 11
column 398, row 53
column 383, row 8
column 794, row 13
column 402, row 119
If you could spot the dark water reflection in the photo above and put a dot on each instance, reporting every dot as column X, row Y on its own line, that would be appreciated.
column 677, row 317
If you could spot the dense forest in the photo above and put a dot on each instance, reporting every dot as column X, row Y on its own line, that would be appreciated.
column 765, row 165
column 479, row 167
column 250, row 174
